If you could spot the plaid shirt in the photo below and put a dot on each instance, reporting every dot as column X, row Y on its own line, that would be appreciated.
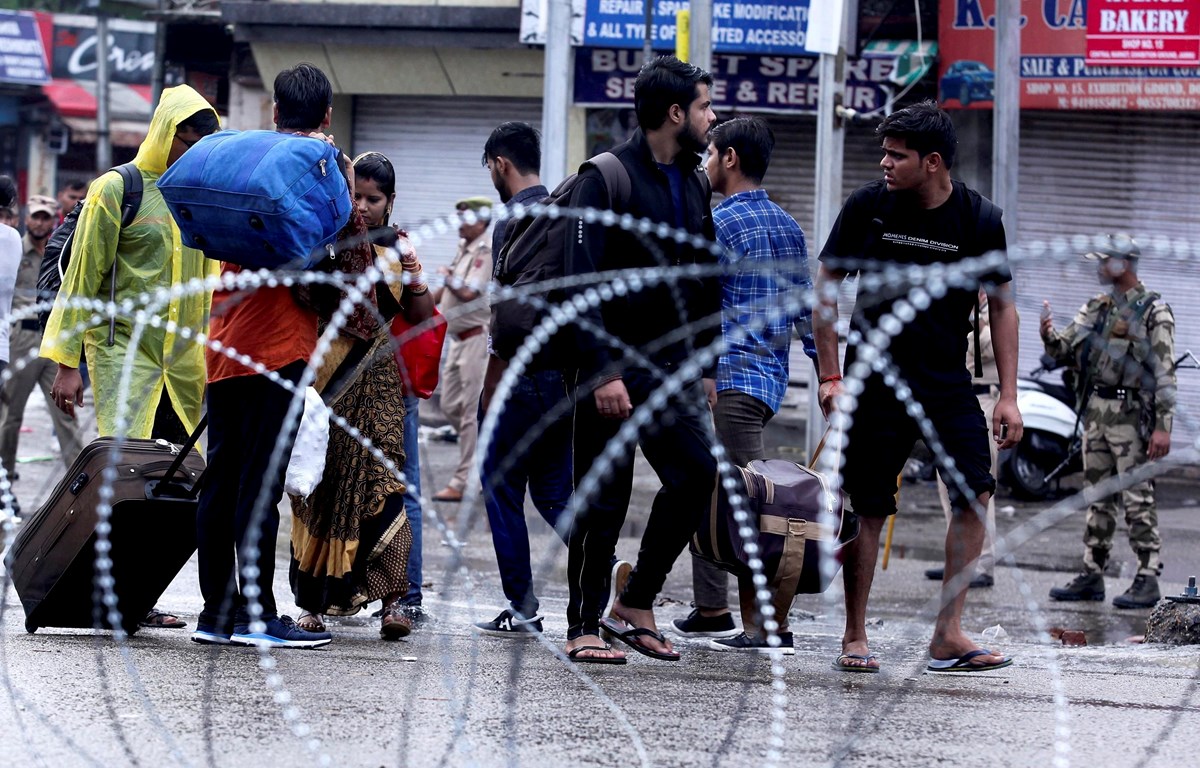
column 765, row 297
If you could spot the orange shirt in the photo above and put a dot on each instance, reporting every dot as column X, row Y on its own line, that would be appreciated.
column 266, row 324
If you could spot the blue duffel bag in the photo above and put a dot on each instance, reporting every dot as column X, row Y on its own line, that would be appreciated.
column 259, row 198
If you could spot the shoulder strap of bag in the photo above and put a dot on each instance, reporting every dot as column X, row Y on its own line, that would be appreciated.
column 616, row 178
column 131, row 203
column 986, row 217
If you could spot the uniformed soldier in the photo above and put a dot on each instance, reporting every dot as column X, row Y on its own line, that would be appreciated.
column 1122, row 342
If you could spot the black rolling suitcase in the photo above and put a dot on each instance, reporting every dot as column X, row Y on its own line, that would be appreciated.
column 154, row 500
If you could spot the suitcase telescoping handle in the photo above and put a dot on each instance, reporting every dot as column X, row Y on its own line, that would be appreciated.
column 176, row 465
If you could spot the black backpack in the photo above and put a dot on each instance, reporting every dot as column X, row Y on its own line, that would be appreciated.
column 536, row 247
column 58, row 249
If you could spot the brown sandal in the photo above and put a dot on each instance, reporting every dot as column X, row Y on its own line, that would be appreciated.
column 310, row 622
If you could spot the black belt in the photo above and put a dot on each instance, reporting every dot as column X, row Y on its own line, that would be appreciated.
column 30, row 325
column 981, row 389
column 1115, row 393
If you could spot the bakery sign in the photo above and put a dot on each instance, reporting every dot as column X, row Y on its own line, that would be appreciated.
column 1143, row 33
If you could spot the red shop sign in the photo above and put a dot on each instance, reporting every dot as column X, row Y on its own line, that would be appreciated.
column 1143, row 33
column 1054, row 69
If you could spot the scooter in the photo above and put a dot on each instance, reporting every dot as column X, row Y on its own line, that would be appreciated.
column 1052, row 446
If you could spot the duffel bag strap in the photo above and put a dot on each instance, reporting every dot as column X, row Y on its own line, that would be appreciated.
column 796, row 533
column 812, row 463
column 714, row 514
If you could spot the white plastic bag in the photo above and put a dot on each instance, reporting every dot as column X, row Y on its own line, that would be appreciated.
column 307, row 462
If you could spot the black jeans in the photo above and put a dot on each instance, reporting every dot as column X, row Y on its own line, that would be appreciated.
column 245, row 420
column 677, row 443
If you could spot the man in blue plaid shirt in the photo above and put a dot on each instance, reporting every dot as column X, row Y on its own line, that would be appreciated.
column 764, row 293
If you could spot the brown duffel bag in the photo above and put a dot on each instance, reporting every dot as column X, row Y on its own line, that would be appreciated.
column 785, row 502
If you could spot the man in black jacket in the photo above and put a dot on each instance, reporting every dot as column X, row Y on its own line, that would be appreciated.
column 627, row 350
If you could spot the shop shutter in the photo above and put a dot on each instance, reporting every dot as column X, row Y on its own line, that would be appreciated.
column 435, row 145
column 790, row 182
column 793, row 167
column 1085, row 173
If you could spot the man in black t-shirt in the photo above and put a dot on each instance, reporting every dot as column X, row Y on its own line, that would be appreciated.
column 906, row 235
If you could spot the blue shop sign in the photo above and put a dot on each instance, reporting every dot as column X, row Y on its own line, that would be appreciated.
column 22, row 56
column 739, row 26
column 745, row 82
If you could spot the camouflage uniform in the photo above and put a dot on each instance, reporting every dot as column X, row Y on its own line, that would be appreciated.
column 1123, row 344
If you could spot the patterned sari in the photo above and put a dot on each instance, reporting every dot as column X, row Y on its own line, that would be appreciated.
column 350, row 538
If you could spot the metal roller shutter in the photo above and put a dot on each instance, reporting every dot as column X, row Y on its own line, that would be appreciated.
column 1087, row 173
column 435, row 145
column 793, row 166
column 790, row 184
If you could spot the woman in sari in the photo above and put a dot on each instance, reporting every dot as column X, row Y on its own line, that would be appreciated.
column 351, row 538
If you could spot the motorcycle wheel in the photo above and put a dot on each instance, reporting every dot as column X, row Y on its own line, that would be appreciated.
column 1025, row 475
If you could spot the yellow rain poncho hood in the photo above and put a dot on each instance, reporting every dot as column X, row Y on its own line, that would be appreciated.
column 149, row 256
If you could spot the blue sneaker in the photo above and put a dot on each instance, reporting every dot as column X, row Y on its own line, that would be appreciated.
column 206, row 635
column 280, row 632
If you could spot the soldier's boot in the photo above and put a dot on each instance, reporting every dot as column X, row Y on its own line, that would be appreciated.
column 1085, row 586
column 1142, row 594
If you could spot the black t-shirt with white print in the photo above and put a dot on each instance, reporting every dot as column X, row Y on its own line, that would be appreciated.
column 885, row 229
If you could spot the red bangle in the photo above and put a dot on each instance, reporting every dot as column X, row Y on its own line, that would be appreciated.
column 832, row 377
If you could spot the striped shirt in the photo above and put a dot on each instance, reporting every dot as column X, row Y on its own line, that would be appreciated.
column 768, row 294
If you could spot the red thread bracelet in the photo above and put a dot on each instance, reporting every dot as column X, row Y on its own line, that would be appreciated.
column 827, row 379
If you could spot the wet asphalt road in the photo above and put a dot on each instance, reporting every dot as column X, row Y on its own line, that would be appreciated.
column 448, row 696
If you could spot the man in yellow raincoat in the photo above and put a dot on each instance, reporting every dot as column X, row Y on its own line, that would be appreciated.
column 165, row 373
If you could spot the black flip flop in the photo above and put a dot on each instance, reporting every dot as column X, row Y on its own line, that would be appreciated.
column 575, row 657
column 620, row 630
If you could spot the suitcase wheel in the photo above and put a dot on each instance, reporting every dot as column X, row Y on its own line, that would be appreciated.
column 30, row 627
column 131, row 628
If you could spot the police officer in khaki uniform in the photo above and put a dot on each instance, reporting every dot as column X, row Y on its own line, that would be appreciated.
column 467, row 353
column 1122, row 342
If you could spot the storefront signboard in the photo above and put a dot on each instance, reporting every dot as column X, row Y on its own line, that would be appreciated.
column 1055, row 70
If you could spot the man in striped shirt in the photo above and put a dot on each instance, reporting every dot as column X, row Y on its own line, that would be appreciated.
column 764, row 293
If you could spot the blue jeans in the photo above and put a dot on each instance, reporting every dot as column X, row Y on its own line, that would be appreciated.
column 412, row 497
column 531, row 445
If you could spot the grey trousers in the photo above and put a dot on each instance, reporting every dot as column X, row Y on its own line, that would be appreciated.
column 740, row 420
column 38, row 372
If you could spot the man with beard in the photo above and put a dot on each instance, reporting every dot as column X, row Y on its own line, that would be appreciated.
column 627, row 348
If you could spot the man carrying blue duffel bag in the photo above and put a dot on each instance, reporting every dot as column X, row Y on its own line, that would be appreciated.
column 261, row 198
column 238, row 518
